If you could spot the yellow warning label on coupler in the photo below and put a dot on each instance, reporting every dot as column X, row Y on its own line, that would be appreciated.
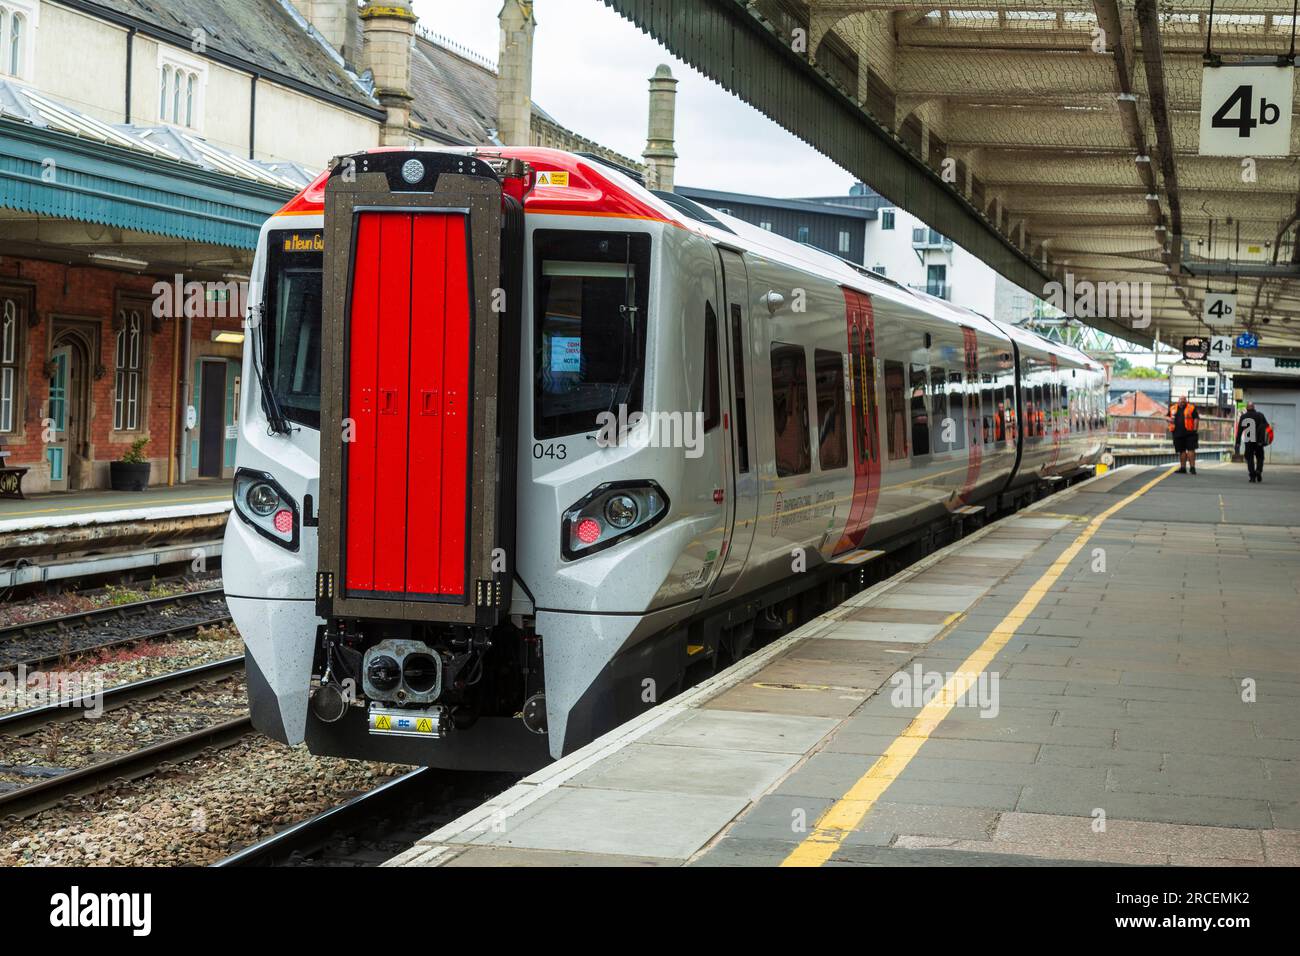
column 553, row 178
column 424, row 725
column 383, row 722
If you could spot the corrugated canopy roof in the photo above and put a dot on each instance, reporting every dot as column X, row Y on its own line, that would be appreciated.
column 1045, row 136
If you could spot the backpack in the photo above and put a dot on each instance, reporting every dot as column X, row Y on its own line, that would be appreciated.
column 1268, row 435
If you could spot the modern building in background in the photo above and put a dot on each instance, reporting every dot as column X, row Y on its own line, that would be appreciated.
column 867, row 229
column 839, row 230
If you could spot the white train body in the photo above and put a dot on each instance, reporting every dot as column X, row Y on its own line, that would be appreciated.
column 800, row 415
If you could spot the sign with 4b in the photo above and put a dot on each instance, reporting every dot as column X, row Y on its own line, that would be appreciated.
column 1221, row 347
column 1220, row 308
column 1246, row 110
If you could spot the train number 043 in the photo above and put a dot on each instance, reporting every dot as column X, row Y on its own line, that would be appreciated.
column 549, row 450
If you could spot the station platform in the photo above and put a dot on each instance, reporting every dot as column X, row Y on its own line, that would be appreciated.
column 1111, row 676
column 63, row 509
column 47, row 539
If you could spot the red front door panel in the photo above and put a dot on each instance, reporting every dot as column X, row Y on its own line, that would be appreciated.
column 407, row 467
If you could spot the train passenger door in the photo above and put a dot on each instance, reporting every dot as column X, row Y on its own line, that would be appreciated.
column 742, row 475
column 866, row 451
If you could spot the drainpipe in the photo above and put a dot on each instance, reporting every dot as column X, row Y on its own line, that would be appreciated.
column 186, row 402
column 171, row 428
column 130, row 49
column 252, row 118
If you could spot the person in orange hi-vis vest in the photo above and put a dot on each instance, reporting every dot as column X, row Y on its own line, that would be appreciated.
column 1183, row 421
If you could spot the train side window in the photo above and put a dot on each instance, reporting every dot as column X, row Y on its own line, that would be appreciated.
column 790, row 409
column 992, row 432
column 712, row 403
column 1009, row 410
column 1067, row 413
column 938, row 411
column 955, row 411
column 738, row 382
column 832, row 448
column 895, row 410
column 920, row 414
column 1036, row 419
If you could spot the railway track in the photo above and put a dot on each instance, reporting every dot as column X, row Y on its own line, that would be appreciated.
column 377, row 825
column 37, row 644
column 23, row 722
column 51, row 792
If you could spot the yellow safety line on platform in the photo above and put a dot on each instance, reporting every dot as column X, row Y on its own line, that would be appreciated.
column 846, row 813
column 92, row 507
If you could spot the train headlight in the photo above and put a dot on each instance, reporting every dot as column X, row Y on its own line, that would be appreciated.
column 262, row 499
column 266, row 507
column 612, row 513
column 621, row 511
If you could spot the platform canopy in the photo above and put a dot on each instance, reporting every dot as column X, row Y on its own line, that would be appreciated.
column 1045, row 136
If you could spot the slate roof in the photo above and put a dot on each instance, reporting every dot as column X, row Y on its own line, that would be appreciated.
column 265, row 33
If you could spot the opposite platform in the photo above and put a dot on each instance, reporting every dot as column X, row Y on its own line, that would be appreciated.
column 79, row 508
column 1110, row 676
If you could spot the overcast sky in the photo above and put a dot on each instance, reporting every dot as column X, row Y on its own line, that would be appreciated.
column 590, row 72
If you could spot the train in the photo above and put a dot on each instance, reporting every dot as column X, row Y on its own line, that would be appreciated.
column 528, row 447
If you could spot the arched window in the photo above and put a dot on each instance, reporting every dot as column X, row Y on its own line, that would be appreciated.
column 8, row 362
column 176, row 97
column 162, row 101
column 189, row 99
column 126, row 361
column 17, row 25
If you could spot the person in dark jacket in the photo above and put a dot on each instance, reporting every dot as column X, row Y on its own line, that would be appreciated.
column 1252, row 426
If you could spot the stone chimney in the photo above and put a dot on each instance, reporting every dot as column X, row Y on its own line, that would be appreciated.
column 388, row 32
column 337, row 22
column 660, row 157
column 515, row 73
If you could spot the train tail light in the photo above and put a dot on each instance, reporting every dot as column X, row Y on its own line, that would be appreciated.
column 263, row 504
column 614, row 512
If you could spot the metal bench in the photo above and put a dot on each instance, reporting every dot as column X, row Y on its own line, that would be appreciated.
column 11, row 478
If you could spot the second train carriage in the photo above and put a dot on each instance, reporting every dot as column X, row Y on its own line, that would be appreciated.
column 436, row 539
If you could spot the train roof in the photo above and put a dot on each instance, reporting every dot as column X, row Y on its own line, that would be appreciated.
column 588, row 186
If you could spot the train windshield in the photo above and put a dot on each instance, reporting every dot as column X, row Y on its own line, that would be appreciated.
column 289, row 339
column 590, row 327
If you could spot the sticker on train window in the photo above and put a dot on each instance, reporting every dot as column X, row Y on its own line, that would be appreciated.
column 566, row 353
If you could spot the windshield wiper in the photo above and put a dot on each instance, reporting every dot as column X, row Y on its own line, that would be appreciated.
column 276, row 421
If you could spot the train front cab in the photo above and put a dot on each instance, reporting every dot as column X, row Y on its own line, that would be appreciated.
column 269, row 552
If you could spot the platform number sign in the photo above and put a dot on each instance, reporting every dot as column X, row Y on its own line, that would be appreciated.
column 1221, row 347
column 1220, row 308
column 1246, row 110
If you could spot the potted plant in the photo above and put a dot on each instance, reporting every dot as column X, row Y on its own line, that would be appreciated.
column 131, row 471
